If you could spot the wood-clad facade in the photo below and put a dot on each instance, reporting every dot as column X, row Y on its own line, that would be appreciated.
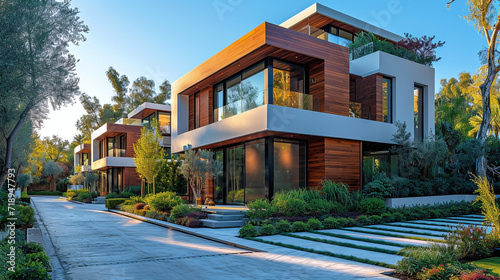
column 299, row 160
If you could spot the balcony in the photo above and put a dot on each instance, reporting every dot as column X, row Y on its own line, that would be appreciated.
column 116, row 152
column 86, row 168
column 292, row 99
column 126, row 121
column 108, row 162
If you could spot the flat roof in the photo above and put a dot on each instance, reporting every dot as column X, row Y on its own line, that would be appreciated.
column 151, row 106
column 317, row 8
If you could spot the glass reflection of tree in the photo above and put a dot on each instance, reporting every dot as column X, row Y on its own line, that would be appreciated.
column 250, row 95
column 235, row 167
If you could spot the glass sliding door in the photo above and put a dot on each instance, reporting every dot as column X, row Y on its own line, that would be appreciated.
column 235, row 175
column 289, row 165
column 255, row 170
column 219, row 179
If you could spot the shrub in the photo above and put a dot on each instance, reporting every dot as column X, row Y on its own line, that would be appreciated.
column 113, row 202
column 181, row 210
column 375, row 219
column 322, row 206
column 471, row 242
column 331, row 222
column 338, row 192
column 133, row 200
column 31, row 270
column 26, row 216
column 381, row 188
column 362, row 220
column 135, row 189
column 70, row 194
column 111, row 195
column 387, row 218
column 194, row 223
column 84, row 196
column 299, row 226
column 164, row 201
column 346, row 222
column 314, row 224
column 139, row 206
column 127, row 208
column 371, row 206
column 295, row 207
column 267, row 230
column 399, row 217
column 153, row 214
column 25, row 197
column 30, row 247
column 283, row 226
column 248, row 231
column 260, row 209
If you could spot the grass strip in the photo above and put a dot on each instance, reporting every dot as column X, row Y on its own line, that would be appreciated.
column 431, row 224
column 383, row 242
column 393, row 235
column 344, row 244
column 325, row 253
column 464, row 219
column 407, row 231
column 418, row 227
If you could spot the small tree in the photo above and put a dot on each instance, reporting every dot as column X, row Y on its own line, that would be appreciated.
column 23, row 180
column 91, row 178
column 196, row 167
column 489, row 207
column 149, row 154
column 51, row 170
column 77, row 179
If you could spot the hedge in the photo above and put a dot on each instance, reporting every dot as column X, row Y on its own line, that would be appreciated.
column 25, row 197
column 111, row 203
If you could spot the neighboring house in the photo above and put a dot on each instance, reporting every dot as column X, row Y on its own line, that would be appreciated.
column 111, row 151
column 285, row 107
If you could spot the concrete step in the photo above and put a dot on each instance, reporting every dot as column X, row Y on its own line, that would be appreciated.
column 99, row 200
column 220, row 217
column 224, row 212
column 222, row 224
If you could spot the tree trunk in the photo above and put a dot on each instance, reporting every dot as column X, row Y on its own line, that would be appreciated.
column 481, row 162
column 154, row 190
column 142, row 188
column 10, row 141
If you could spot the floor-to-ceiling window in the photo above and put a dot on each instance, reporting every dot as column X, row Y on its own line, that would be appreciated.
column 289, row 86
column 235, row 175
column 387, row 99
column 219, row 183
column 289, row 165
column 255, row 170
column 418, row 112
column 164, row 121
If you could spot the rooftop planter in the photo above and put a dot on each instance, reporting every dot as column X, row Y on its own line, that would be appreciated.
column 420, row 50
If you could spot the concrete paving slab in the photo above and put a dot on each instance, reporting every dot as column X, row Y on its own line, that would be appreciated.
column 403, row 241
column 403, row 228
column 354, row 242
column 395, row 233
column 374, row 256
column 456, row 221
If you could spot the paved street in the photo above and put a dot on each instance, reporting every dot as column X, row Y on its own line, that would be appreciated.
column 91, row 243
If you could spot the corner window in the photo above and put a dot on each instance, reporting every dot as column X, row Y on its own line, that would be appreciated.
column 418, row 112
column 387, row 99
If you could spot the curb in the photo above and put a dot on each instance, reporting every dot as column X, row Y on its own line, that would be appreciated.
column 58, row 272
column 182, row 229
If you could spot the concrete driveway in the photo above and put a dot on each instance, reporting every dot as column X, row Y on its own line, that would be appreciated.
column 87, row 242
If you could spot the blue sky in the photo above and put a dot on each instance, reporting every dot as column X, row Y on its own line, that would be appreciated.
column 163, row 39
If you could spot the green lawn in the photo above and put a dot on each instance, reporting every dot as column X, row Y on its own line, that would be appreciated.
column 490, row 263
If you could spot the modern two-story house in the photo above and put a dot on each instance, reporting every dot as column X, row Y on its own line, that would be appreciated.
column 286, row 106
column 111, row 152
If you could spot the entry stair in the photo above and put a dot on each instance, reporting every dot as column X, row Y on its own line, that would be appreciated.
column 224, row 218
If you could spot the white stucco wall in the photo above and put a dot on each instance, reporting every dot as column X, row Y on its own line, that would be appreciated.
column 405, row 75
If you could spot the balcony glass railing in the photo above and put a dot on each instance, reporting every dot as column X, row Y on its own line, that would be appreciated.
column 126, row 121
column 292, row 99
column 116, row 153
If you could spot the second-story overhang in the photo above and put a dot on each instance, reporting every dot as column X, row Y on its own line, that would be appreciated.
column 268, row 119
column 266, row 40
column 147, row 108
column 109, row 162
column 113, row 129
column 82, row 149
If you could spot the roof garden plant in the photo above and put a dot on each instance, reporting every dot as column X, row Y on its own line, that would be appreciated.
column 421, row 50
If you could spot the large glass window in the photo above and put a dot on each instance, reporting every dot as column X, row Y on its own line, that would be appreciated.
column 111, row 147
column 418, row 112
column 218, row 102
column 253, row 88
column 164, row 120
column 338, row 35
column 219, row 180
column 233, row 106
column 236, row 175
column 289, row 165
column 289, row 86
column 255, row 170
column 148, row 121
column 387, row 99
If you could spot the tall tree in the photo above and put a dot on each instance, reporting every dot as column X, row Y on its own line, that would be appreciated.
column 52, row 170
column 142, row 90
column 120, row 85
column 96, row 115
column 56, row 149
column 486, row 20
column 165, row 93
column 35, row 61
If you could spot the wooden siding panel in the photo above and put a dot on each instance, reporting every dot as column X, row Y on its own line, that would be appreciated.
column 130, row 177
column 369, row 94
column 204, row 107
column 315, row 162
column 342, row 161
column 191, row 112
column 131, row 138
